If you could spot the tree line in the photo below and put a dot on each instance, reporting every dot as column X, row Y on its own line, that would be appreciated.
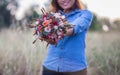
column 8, row 20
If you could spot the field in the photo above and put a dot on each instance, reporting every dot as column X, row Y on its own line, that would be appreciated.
column 18, row 56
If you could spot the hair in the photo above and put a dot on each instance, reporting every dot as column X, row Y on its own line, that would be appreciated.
column 55, row 6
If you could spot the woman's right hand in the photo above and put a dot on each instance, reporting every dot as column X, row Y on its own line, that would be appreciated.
column 69, row 31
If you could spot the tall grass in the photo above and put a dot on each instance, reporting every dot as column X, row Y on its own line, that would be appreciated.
column 104, row 59
column 18, row 56
column 105, row 62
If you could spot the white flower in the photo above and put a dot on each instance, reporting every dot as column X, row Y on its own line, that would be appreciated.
column 63, row 17
column 61, row 23
column 57, row 15
column 47, row 29
column 37, row 22
column 51, row 12
column 55, row 27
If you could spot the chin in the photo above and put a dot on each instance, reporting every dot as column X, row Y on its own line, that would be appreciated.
column 65, row 8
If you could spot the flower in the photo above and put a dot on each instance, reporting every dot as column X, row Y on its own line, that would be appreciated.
column 47, row 29
column 57, row 15
column 39, row 28
column 45, row 23
column 56, row 27
column 63, row 17
column 50, row 27
column 36, row 22
column 61, row 23
column 60, row 32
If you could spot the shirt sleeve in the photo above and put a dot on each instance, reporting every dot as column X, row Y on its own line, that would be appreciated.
column 82, row 22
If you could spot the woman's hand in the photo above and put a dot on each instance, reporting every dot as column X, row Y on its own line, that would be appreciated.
column 69, row 31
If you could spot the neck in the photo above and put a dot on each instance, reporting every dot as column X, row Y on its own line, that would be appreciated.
column 66, row 11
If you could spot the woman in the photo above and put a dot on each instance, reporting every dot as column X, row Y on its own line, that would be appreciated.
column 68, row 57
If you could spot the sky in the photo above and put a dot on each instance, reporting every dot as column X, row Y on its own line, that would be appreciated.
column 25, row 5
column 104, row 8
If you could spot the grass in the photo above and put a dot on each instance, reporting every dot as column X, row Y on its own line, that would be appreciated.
column 18, row 56
column 104, row 55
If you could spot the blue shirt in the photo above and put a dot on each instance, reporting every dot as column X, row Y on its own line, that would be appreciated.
column 69, row 54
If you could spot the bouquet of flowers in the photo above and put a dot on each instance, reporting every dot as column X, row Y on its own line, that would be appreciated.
column 50, row 27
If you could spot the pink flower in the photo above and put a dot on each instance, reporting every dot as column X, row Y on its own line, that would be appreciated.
column 61, row 23
column 59, row 37
column 59, row 33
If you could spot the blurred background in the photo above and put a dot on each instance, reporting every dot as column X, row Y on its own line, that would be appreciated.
column 18, row 56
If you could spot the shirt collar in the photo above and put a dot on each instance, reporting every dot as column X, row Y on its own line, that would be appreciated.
column 70, row 13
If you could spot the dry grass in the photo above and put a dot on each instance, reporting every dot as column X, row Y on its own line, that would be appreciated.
column 103, row 53
column 18, row 56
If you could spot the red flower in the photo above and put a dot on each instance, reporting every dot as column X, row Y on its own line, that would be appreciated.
column 50, row 27
column 55, row 23
column 40, row 28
